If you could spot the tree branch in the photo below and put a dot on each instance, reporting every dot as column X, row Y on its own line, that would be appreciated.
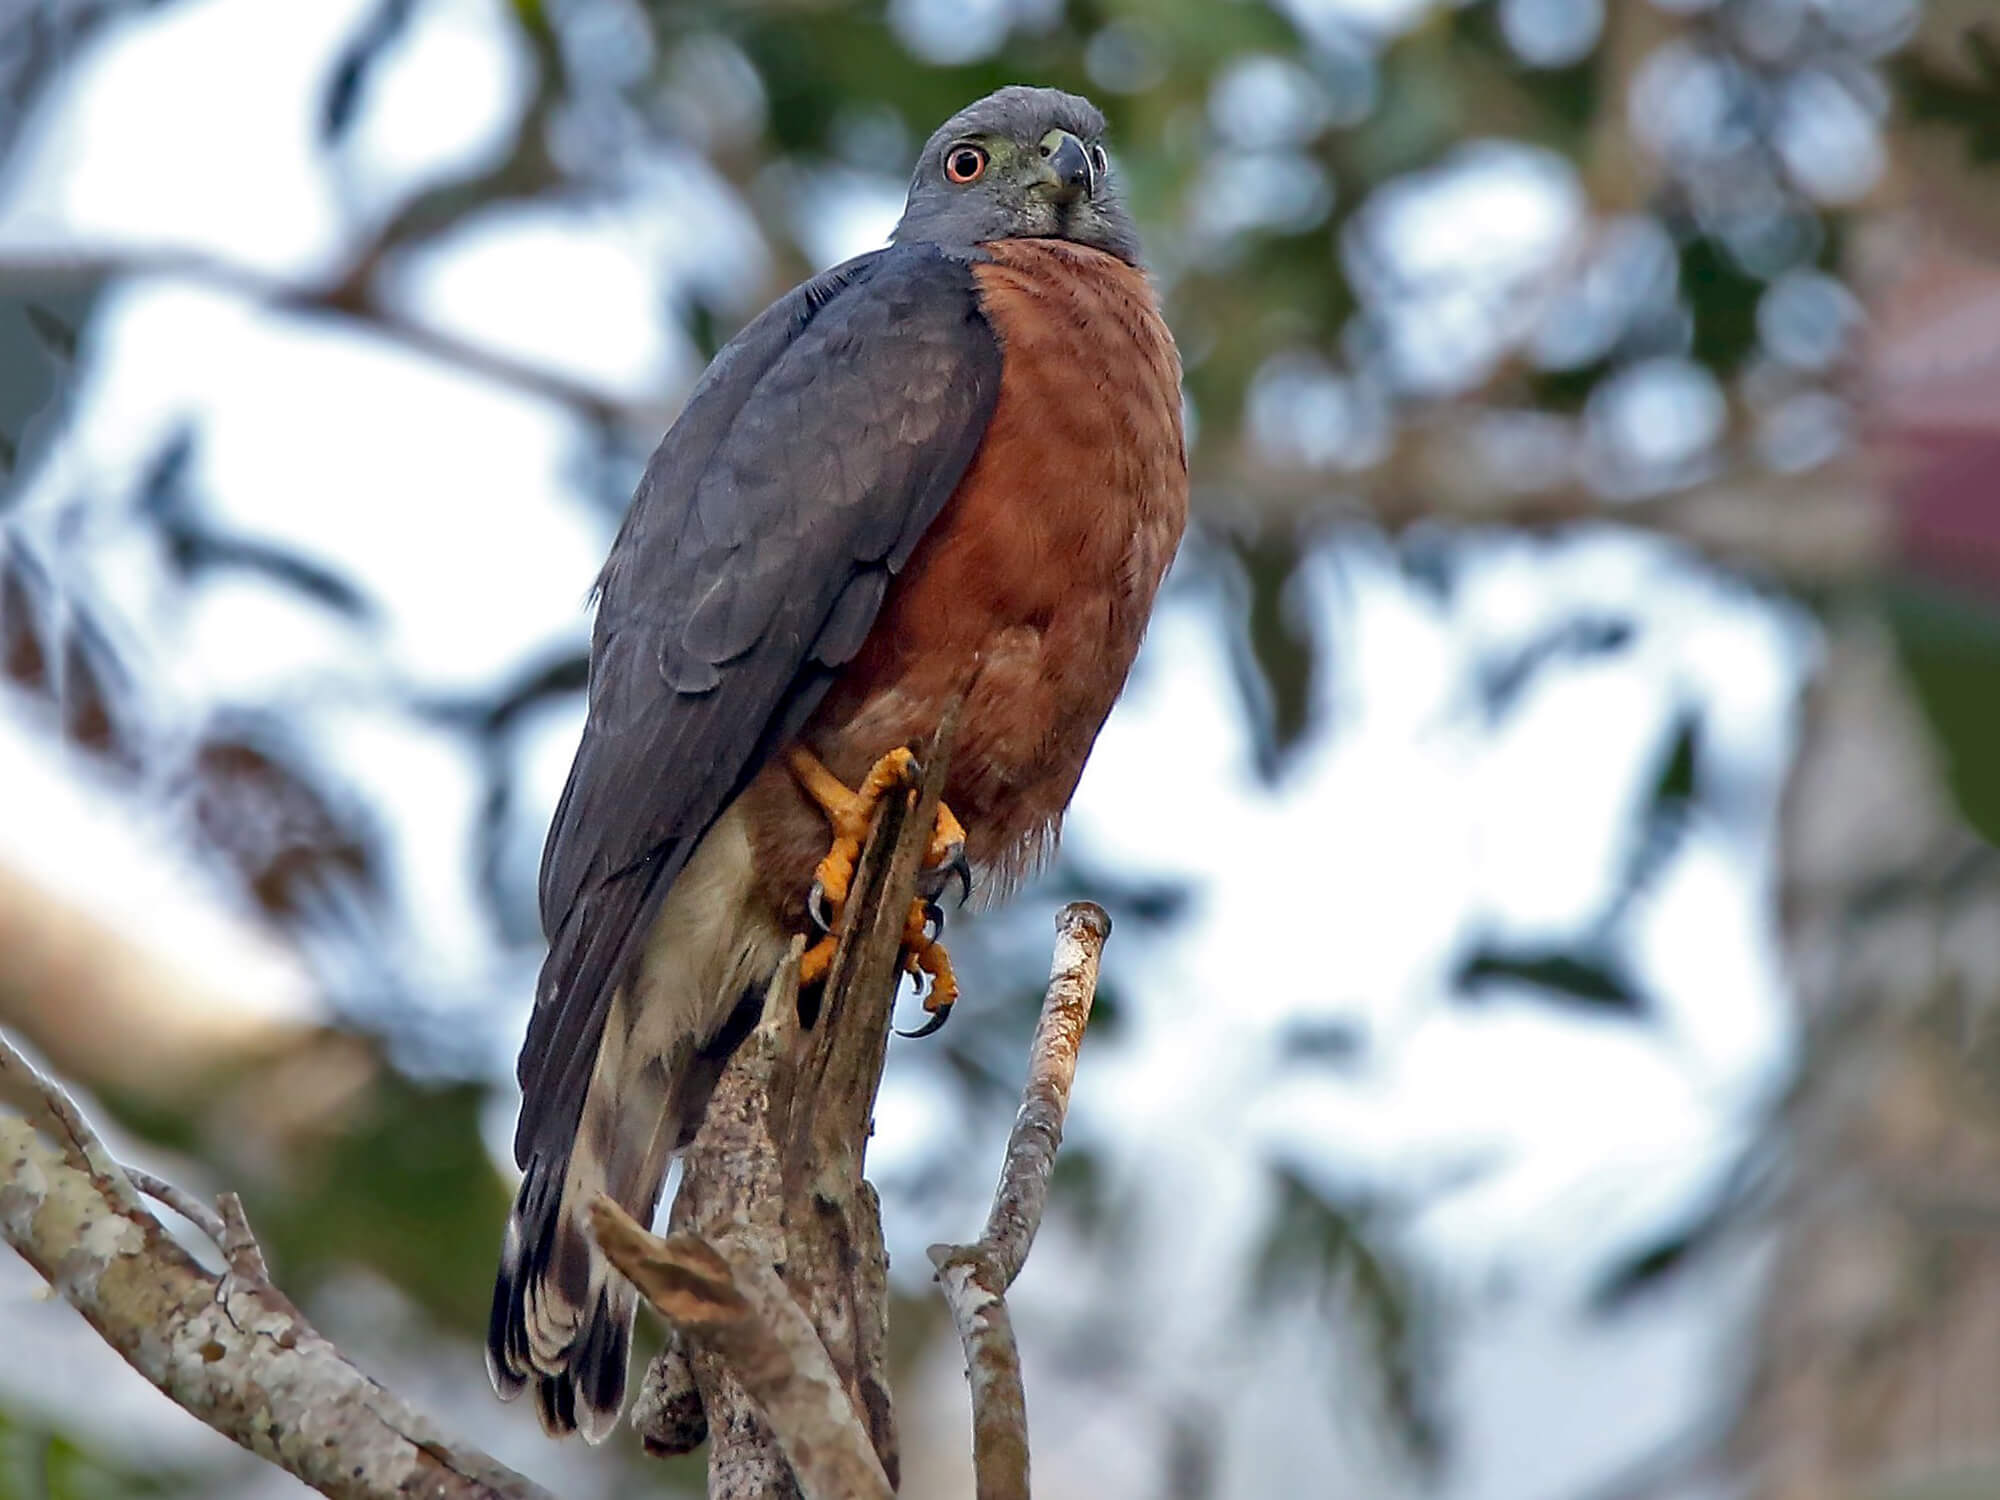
column 738, row 1308
column 230, row 1350
column 976, row 1277
column 344, row 298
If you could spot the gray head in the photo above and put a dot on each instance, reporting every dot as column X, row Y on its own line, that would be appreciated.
column 1022, row 163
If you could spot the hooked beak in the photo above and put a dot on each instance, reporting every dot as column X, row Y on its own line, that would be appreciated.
column 1066, row 167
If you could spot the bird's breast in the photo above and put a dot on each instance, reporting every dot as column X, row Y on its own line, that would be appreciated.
column 1032, row 589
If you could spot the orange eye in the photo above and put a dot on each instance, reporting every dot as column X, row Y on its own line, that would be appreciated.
column 963, row 164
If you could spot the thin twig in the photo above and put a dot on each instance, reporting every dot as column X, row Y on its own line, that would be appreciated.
column 976, row 1277
column 230, row 1350
column 239, row 1245
column 739, row 1307
column 181, row 1201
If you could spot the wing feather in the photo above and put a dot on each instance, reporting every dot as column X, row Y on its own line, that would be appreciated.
column 817, row 450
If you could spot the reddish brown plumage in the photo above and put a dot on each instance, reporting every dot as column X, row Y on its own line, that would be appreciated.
column 1033, row 586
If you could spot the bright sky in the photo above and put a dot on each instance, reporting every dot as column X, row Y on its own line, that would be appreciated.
column 1524, row 1145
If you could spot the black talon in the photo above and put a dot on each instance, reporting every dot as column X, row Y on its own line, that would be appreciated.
column 931, row 1027
column 816, row 907
column 962, row 868
column 933, row 921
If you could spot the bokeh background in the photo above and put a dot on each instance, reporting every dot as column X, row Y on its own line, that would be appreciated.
column 1548, row 1044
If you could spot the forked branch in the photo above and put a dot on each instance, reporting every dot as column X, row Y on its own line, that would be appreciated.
column 229, row 1349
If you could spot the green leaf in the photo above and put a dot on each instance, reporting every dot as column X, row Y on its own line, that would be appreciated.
column 1949, row 643
column 39, row 1464
column 406, row 1188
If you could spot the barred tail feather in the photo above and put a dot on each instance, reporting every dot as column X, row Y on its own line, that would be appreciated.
column 571, row 1337
column 562, row 1317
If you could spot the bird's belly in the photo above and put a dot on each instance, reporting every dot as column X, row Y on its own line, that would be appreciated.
column 1036, row 691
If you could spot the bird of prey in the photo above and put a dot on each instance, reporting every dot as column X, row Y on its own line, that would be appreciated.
column 952, row 468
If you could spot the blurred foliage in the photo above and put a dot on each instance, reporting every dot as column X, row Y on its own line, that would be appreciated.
column 38, row 336
column 1966, row 103
column 1337, row 1255
column 1275, row 658
column 37, row 1464
column 342, row 1162
column 1949, row 645
column 405, row 1187
column 1945, row 612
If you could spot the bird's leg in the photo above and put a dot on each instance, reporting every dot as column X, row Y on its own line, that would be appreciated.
column 850, row 811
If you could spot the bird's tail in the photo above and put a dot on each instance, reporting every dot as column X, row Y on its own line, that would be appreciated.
column 562, row 1317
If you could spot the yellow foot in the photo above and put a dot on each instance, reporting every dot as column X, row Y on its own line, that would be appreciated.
column 850, row 813
column 924, row 955
column 947, row 846
column 817, row 960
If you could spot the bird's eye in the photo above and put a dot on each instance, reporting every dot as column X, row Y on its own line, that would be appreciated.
column 1099, row 163
column 963, row 164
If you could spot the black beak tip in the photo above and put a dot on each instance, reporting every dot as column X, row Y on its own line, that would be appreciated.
column 1071, row 164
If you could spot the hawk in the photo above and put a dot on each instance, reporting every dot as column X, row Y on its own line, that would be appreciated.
column 952, row 466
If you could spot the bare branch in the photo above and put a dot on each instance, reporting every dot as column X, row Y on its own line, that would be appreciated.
column 784, row 1373
column 1081, row 930
column 992, row 1368
column 344, row 299
column 232, row 1350
column 181, row 1201
column 976, row 1277
column 739, row 1307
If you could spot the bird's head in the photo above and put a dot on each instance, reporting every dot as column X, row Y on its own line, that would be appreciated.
column 1023, row 163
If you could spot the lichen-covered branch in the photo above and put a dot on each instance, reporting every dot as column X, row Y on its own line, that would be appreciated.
column 231, row 1350
column 737, row 1307
column 976, row 1277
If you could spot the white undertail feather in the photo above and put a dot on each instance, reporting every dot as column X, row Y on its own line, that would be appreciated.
column 712, row 941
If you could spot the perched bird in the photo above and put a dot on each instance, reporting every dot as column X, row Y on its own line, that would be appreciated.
column 952, row 466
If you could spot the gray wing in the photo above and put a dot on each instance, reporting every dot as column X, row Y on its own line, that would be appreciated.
column 817, row 450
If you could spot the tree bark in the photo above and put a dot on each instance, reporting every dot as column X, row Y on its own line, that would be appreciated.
column 1877, row 1367
column 230, row 1349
